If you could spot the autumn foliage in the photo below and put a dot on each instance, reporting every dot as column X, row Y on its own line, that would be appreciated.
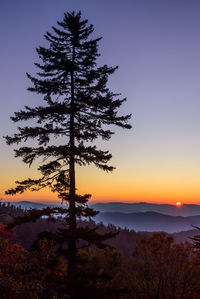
column 158, row 268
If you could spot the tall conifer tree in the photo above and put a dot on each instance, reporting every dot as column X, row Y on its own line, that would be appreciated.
column 77, row 107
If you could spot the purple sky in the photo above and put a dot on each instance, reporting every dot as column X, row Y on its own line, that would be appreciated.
column 157, row 47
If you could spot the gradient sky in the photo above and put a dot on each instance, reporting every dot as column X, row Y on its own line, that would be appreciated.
column 157, row 47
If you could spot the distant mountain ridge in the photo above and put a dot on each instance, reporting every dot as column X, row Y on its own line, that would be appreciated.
column 149, row 221
column 25, row 204
column 167, row 209
column 138, row 216
column 173, row 210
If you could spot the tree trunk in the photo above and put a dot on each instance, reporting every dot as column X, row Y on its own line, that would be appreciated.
column 72, row 193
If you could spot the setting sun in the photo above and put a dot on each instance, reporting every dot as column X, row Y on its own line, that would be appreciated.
column 178, row 203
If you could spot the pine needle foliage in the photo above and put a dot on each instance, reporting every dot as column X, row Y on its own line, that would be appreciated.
column 78, row 107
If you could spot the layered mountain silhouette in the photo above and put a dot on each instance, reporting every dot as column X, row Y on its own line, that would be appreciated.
column 173, row 210
column 148, row 221
column 32, row 205
column 139, row 216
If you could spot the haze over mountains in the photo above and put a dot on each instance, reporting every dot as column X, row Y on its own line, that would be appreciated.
column 149, row 217
column 149, row 221
column 140, row 216
column 173, row 210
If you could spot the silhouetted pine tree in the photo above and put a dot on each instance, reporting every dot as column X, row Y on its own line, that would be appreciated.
column 78, row 105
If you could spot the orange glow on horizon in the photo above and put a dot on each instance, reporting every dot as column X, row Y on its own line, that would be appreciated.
column 147, row 182
column 48, row 196
column 162, row 189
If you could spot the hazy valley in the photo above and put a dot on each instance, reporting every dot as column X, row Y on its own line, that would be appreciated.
column 140, row 216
